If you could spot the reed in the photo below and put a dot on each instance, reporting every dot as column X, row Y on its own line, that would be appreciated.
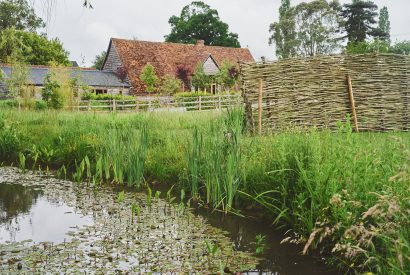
column 343, row 192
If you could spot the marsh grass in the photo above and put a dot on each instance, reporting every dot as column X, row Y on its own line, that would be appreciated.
column 345, row 193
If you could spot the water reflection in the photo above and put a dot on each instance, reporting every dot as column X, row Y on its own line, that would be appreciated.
column 15, row 200
column 27, row 215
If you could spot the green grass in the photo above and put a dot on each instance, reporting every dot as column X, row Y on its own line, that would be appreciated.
column 346, row 193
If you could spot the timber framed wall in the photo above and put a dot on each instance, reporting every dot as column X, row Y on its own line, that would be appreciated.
column 314, row 92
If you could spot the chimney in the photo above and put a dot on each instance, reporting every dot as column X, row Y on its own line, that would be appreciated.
column 200, row 42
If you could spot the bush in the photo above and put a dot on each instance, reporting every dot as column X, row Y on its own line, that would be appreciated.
column 40, row 105
column 94, row 96
column 170, row 85
column 9, row 103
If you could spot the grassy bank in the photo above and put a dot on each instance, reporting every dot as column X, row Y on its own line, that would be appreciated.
column 344, row 193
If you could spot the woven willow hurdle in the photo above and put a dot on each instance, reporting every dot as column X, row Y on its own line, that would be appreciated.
column 314, row 92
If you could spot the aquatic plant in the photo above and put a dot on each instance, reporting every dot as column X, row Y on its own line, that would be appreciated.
column 260, row 243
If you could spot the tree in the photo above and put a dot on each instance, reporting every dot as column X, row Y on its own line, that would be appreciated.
column 31, row 48
column 17, row 81
column 317, row 28
column 402, row 47
column 149, row 77
column 228, row 75
column 306, row 30
column 360, row 19
column 170, row 85
column 20, row 15
column 384, row 24
column 200, row 80
column 198, row 21
column 283, row 36
column 183, row 73
column 99, row 60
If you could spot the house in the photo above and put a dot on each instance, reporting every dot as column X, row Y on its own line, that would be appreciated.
column 101, row 82
column 133, row 55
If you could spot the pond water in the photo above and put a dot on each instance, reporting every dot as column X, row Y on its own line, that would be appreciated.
column 56, row 227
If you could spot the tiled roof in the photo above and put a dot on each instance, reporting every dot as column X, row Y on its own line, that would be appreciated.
column 90, row 77
column 165, row 57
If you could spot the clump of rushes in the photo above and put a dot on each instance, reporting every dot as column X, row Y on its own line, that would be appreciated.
column 345, row 193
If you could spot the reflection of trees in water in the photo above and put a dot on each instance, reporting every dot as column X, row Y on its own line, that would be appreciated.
column 16, row 199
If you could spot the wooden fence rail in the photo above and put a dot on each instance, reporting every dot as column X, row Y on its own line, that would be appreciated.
column 374, row 90
column 178, row 104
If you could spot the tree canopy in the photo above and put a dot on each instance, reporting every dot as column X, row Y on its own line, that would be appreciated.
column 384, row 24
column 307, row 29
column 20, row 15
column 198, row 21
column 31, row 48
column 99, row 60
column 360, row 21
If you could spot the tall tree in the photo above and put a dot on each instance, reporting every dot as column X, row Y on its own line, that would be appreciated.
column 198, row 21
column 20, row 15
column 384, row 24
column 360, row 20
column 31, row 48
column 284, row 36
column 99, row 60
column 308, row 29
column 317, row 28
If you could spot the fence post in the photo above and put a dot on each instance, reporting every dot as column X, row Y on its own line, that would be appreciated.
column 89, row 105
column 114, row 107
column 199, row 103
column 136, row 105
column 352, row 103
column 219, row 101
column 260, row 106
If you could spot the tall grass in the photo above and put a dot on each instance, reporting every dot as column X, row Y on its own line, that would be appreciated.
column 345, row 193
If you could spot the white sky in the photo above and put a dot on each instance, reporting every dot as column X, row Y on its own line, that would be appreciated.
column 85, row 33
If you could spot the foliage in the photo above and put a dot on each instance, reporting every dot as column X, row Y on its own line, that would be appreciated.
column 183, row 73
column 18, row 14
column 228, row 75
column 200, row 80
column 310, row 28
column 360, row 19
column 94, row 96
column 60, row 89
column 402, row 47
column 31, row 48
column 376, row 46
column 317, row 26
column 384, row 24
column 17, row 81
column 344, row 192
column 198, row 21
column 284, row 36
column 170, row 85
column 122, row 73
column 99, row 60
column 149, row 77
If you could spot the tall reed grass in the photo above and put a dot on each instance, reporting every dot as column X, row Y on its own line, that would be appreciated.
column 345, row 193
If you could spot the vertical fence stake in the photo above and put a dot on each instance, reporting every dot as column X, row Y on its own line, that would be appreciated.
column 89, row 105
column 260, row 106
column 352, row 103
column 114, row 107
column 219, row 101
column 199, row 103
column 136, row 105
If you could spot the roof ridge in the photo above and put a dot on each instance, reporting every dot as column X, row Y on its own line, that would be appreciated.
column 174, row 43
column 48, row 67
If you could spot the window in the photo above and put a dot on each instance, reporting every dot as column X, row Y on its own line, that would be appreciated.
column 100, row 91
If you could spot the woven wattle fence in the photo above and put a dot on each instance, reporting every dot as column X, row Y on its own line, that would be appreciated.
column 315, row 92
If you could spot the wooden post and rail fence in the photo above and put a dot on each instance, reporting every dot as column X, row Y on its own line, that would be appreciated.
column 177, row 104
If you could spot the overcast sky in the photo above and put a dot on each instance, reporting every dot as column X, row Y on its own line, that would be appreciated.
column 86, row 32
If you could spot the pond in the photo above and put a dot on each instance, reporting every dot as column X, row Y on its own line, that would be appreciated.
column 56, row 226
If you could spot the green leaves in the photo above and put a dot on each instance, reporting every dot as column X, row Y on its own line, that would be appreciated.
column 198, row 21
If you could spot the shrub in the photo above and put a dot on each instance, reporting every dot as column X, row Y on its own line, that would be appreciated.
column 94, row 96
column 149, row 77
column 200, row 80
column 41, row 105
column 170, row 85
